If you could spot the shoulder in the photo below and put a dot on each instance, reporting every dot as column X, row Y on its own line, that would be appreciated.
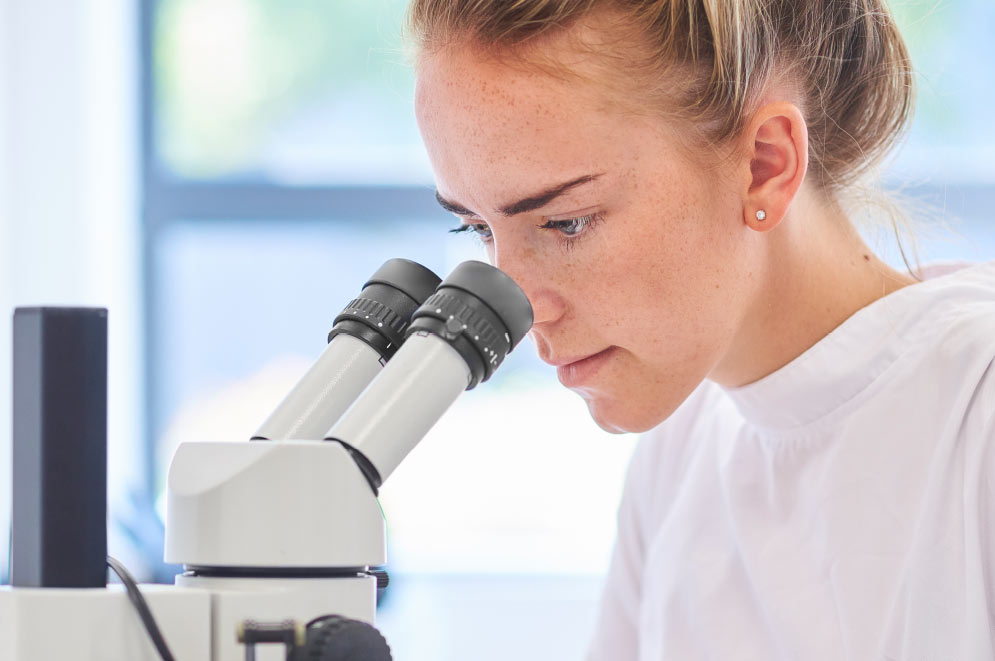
column 959, row 301
column 949, row 363
column 942, row 335
column 953, row 343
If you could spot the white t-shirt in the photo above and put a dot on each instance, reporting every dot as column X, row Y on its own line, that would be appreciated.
column 842, row 507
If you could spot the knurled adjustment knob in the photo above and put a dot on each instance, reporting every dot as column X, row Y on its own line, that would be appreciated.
column 461, row 318
column 377, row 324
column 374, row 314
column 337, row 638
column 470, row 326
column 480, row 312
column 381, row 313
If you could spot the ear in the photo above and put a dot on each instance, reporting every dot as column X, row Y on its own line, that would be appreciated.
column 777, row 149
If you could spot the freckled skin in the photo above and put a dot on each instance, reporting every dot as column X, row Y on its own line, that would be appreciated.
column 661, row 277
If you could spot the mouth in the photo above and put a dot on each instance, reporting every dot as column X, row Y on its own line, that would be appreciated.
column 574, row 372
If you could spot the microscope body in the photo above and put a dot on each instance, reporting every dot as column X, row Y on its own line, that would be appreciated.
column 281, row 530
column 273, row 530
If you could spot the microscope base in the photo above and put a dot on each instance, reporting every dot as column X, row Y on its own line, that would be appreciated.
column 40, row 624
column 272, row 599
column 198, row 617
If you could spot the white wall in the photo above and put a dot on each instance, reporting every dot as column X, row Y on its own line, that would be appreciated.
column 69, row 226
column 5, row 279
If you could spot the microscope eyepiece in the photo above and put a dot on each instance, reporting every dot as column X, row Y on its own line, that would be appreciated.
column 456, row 340
column 498, row 291
column 380, row 314
column 410, row 277
column 481, row 312
column 366, row 334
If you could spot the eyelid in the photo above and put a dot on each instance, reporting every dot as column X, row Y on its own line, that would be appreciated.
column 574, row 215
column 468, row 218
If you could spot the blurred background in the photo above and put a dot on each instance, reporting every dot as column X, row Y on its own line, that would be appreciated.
column 223, row 174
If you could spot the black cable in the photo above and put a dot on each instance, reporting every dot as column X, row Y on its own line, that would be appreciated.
column 142, row 607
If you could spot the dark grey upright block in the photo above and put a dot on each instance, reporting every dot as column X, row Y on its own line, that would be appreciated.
column 59, row 523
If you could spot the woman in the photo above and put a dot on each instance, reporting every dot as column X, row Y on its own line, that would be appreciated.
column 668, row 181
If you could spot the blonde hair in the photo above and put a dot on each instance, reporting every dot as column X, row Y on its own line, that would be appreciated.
column 846, row 59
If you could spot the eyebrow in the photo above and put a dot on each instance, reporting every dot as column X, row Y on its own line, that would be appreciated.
column 530, row 203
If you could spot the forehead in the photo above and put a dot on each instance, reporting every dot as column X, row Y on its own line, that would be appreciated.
column 490, row 94
column 483, row 117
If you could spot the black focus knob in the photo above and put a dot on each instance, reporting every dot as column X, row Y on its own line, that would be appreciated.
column 337, row 638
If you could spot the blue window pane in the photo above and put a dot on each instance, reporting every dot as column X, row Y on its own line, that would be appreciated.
column 953, row 53
column 299, row 93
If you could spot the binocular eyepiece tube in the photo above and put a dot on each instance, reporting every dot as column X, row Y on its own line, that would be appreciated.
column 456, row 340
column 398, row 356
column 365, row 335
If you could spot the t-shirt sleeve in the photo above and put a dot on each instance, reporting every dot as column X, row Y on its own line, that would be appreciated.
column 616, row 632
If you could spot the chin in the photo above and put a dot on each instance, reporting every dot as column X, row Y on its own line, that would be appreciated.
column 616, row 419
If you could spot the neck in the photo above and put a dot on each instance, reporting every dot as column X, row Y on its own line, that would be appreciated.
column 817, row 272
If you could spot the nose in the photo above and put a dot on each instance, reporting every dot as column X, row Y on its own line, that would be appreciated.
column 548, row 305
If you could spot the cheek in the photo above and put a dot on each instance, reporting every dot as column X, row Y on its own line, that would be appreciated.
column 689, row 250
column 676, row 285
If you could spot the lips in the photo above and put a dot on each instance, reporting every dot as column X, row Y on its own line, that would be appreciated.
column 574, row 372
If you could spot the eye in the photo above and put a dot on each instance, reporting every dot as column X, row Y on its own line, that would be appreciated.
column 571, row 226
column 482, row 231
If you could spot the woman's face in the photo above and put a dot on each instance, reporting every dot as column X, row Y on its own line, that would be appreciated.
column 635, row 257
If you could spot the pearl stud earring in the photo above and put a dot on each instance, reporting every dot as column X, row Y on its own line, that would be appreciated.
column 761, row 214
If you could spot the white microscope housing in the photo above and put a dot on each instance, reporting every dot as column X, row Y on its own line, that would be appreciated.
column 288, row 504
column 275, row 531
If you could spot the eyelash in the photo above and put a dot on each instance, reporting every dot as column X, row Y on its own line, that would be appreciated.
column 474, row 228
column 586, row 223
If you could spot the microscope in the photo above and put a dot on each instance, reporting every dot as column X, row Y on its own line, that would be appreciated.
column 281, row 537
